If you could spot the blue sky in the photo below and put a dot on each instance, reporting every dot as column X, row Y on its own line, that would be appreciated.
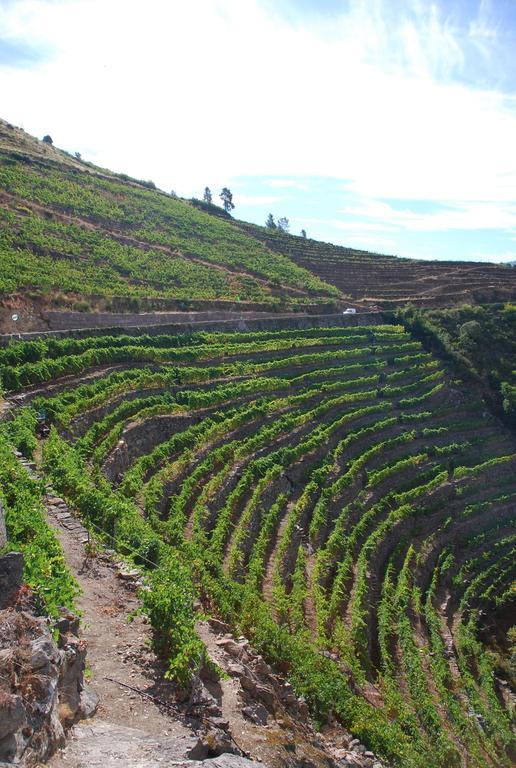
column 388, row 125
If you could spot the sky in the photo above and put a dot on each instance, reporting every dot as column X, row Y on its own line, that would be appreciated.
column 387, row 125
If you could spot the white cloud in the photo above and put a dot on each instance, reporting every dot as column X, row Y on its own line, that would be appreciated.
column 352, row 223
column 472, row 215
column 363, row 240
column 188, row 92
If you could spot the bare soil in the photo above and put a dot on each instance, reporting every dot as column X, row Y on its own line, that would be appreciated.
column 118, row 645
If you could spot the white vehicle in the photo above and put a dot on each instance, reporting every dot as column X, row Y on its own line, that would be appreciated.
column 350, row 311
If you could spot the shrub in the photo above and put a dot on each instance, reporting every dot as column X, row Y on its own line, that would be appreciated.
column 169, row 605
column 45, row 569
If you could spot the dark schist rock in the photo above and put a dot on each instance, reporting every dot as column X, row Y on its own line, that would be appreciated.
column 11, row 577
column 42, row 690
column 231, row 761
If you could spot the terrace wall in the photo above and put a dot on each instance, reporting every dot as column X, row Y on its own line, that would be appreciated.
column 240, row 323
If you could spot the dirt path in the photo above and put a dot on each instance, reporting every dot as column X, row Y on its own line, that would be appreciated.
column 118, row 647
column 310, row 610
column 268, row 579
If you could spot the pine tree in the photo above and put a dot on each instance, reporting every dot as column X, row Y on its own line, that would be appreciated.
column 207, row 197
column 284, row 224
column 227, row 200
column 270, row 223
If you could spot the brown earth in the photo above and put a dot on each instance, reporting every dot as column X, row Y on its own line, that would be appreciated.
column 118, row 645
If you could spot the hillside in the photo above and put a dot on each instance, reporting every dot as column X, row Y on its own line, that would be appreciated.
column 334, row 494
column 384, row 281
column 74, row 233
column 74, row 237
column 480, row 341
column 319, row 507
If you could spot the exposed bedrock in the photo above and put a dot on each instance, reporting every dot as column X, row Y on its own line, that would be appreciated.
column 42, row 689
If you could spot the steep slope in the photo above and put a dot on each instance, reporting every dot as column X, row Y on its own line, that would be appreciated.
column 337, row 494
column 388, row 281
column 480, row 340
column 334, row 494
column 79, row 237
column 70, row 229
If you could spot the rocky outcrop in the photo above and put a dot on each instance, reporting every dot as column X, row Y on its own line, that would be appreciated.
column 104, row 745
column 11, row 575
column 254, row 710
column 42, row 690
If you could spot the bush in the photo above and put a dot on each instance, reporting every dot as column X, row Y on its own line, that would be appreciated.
column 45, row 568
column 21, row 431
column 170, row 606
column 81, row 306
column 215, row 210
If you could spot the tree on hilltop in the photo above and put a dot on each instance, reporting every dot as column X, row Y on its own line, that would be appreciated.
column 303, row 233
column 270, row 223
column 227, row 200
column 207, row 197
column 284, row 224
column 48, row 139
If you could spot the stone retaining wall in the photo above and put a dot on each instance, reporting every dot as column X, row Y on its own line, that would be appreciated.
column 42, row 689
column 64, row 321
column 269, row 323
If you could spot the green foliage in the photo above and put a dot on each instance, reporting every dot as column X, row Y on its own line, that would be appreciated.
column 206, row 256
column 20, row 431
column 169, row 605
column 309, row 487
column 478, row 341
column 227, row 199
column 16, row 377
column 28, row 532
column 98, row 505
column 509, row 400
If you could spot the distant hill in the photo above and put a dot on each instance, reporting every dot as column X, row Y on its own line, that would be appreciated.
column 70, row 228
column 77, row 237
column 389, row 281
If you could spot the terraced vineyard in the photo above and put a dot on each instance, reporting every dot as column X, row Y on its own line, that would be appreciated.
column 388, row 281
column 334, row 494
column 481, row 340
column 69, row 228
column 77, row 237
